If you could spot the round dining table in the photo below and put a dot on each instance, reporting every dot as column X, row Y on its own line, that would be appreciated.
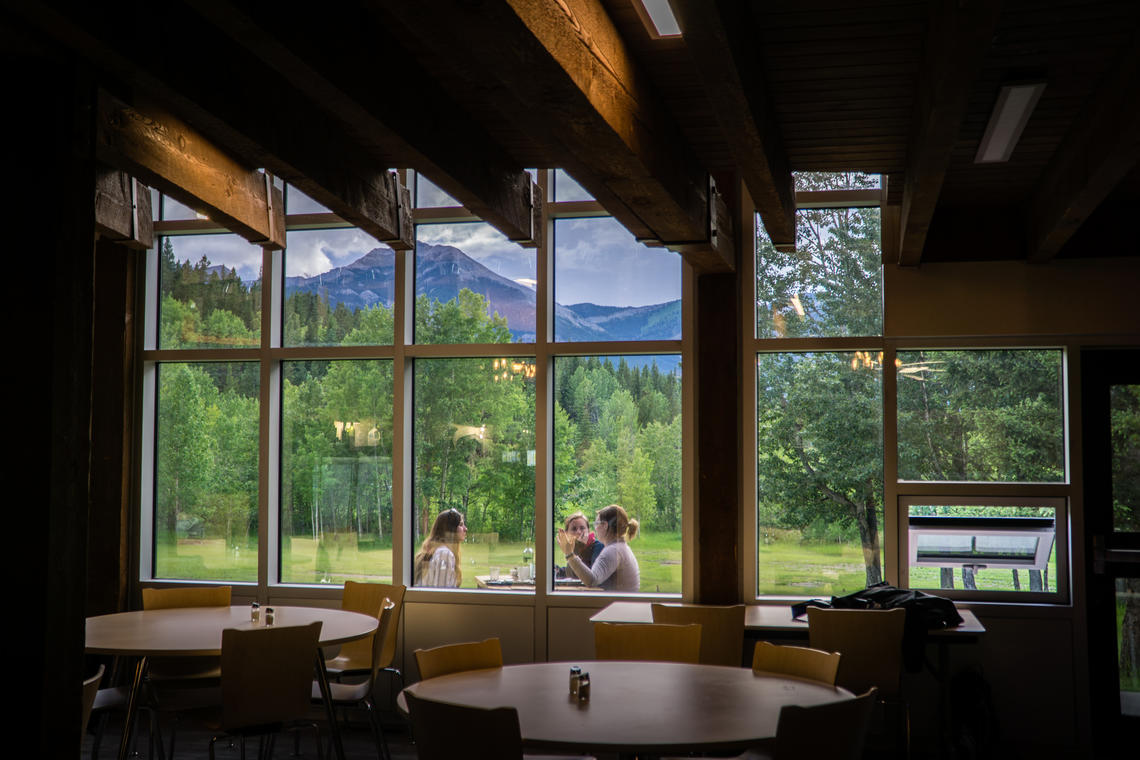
column 197, row 631
column 634, row 707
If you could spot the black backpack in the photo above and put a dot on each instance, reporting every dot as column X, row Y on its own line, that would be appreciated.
column 923, row 612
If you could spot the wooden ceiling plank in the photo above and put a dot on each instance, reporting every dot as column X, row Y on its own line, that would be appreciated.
column 148, row 142
column 458, row 156
column 958, row 37
column 560, row 69
column 729, row 63
column 1100, row 150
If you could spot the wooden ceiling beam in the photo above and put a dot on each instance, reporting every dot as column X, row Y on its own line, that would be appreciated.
column 122, row 209
column 147, row 142
column 238, row 103
column 720, row 37
column 332, row 59
column 958, row 36
column 1100, row 150
column 561, row 70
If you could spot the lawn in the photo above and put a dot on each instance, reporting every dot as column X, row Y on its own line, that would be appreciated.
column 787, row 566
column 659, row 558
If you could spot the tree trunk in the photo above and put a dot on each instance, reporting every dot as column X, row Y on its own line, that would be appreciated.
column 1016, row 581
column 946, row 577
column 1035, row 583
column 968, row 578
column 1130, row 633
column 869, row 537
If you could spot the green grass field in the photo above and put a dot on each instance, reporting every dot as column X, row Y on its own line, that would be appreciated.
column 787, row 566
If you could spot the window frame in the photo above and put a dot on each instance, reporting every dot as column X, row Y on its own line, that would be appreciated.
column 1014, row 496
column 896, row 492
column 403, row 352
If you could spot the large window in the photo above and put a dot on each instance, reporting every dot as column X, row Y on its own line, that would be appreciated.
column 205, row 495
column 954, row 454
column 336, row 471
column 994, row 418
column 819, row 473
column 323, row 441
column 818, row 391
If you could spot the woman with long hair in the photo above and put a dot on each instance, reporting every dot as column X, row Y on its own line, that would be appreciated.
column 615, row 569
column 437, row 564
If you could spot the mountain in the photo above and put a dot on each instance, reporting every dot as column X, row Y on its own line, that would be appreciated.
column 444, row 270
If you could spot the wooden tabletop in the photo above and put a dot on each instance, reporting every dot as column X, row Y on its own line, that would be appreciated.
column 198, row 630
column 775, row 619
column 654, row 707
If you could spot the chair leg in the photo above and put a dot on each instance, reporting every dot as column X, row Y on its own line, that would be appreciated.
column 377, row 730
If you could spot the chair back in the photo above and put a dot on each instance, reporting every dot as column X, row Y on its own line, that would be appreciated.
column 648, row 642
column 722, row 629
column 188, row 596
column 455, row 658
column 90, row 690
column 801, row 662
column 368, row 599
column 445, row 731
column 835, row 731
column 387, row 614
column 267, row 674
column 870, row 642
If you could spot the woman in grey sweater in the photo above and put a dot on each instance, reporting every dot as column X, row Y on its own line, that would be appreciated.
column 616, row 568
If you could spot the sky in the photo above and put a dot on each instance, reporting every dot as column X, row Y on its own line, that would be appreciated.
column 596, row 259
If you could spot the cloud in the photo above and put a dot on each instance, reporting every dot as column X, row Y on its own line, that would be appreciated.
column 477, row 239
column 311, row 252
column 227, row 249
column 598, row 261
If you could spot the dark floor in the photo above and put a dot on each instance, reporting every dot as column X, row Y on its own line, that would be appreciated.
column 192, row 743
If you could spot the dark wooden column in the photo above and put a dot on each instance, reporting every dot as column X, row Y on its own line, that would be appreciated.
column 718, row 432
column 49, row 265
column 118, row 269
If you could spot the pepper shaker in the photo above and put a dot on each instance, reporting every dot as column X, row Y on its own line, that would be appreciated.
column 575, row 677
column 584, row 687
column 255, row 613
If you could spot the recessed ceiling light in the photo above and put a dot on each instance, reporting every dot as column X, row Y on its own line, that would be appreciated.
column 1011, row 113
column 658, row 18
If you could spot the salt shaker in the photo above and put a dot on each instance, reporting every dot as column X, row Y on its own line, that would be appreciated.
column 575, row 676
column 584, row 687
column 269, row 616
column 254, row 613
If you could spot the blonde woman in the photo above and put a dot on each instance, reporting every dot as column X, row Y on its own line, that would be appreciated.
column 615, row 569
column 437, row 564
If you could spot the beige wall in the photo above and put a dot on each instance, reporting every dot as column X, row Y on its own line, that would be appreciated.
column 1088, row 297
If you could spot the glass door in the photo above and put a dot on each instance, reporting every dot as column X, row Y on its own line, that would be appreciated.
column 1111, row 437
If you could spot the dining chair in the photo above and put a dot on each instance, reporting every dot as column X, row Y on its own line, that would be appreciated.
column 90, row 691
column 870, row 642
column 445, row 731
column 356, row 657
column 267, row 677
column 648, row 642
column 175, row 684
column 353, row 694
column 722, row 629
column 184, row 668
column 802, row 662
column 835, row 731
column 454, row 658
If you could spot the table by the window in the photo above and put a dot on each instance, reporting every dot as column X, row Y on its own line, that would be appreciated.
column 197, row 631
column 634, row 707
column 775, row 621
